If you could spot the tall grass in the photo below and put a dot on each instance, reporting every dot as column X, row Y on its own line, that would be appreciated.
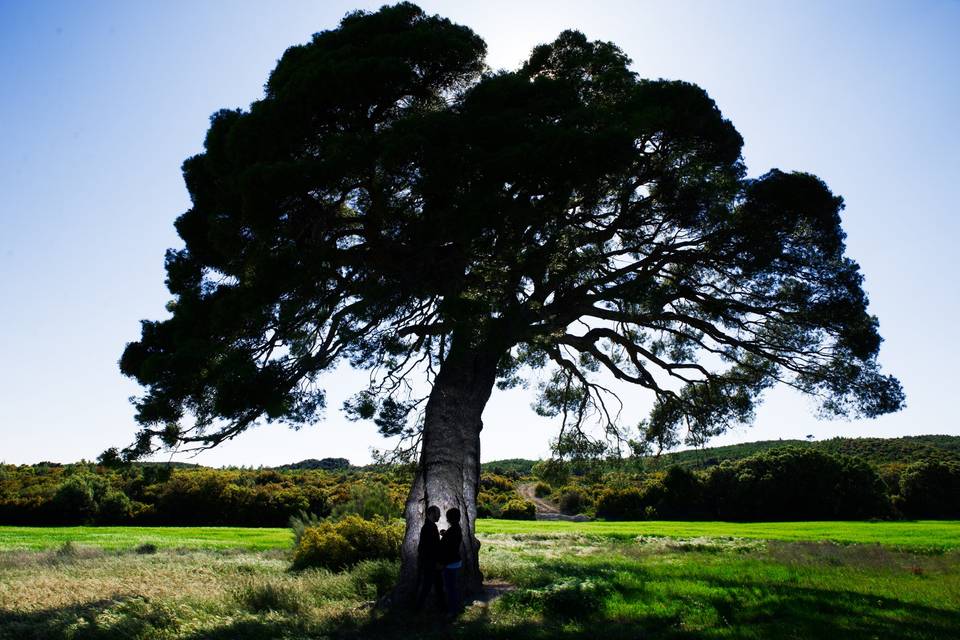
column 553, row 585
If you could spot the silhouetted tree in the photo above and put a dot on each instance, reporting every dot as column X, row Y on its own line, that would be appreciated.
column 391, row 203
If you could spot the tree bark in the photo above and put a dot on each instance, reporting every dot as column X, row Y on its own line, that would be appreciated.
column 448, row 473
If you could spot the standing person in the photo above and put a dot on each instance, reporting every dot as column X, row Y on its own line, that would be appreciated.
column 450, row 559
column 428, row 555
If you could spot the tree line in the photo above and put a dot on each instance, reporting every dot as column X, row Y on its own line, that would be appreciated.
column 787, row 483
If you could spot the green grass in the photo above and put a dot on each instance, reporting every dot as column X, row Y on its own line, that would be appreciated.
column 562, row 586
column 119, row 538
column 930, row 535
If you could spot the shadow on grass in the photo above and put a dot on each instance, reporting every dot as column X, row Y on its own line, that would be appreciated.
column 650, row 606
column 79, row 621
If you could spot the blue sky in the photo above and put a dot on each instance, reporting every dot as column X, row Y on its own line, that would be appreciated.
column 103, row 101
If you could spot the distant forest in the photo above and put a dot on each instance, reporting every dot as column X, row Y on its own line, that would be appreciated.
column 841, row 478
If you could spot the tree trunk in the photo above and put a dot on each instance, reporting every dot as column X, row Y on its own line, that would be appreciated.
column 448, row 474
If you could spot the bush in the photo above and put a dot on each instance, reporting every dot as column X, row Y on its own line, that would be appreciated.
column 678, row 495
column 324, row 547
column 373, row 579
column 115, row 508
column 335, row 545
column 496, row 483
column 930, row 490
column 621, row 504
column 519, row 510
column 573, row 502
column 542, row 490
column 796, row 484
column 300, row 522
column 487, row 509
column 75, row 500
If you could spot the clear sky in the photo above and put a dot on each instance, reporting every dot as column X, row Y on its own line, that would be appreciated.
column 102, row 101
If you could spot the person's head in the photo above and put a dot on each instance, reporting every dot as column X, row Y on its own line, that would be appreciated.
column 433, row 513
column 453, row 515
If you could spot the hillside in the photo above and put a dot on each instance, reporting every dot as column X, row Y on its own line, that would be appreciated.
column 877, row 451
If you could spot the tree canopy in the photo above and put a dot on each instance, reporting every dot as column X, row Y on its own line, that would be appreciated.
column 391, row 201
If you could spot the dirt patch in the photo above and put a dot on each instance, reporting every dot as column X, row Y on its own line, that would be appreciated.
column 546, row 510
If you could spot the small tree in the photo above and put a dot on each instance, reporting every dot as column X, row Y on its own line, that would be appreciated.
column 393, row 204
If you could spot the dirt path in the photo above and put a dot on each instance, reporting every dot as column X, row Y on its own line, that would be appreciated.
column 527, row 490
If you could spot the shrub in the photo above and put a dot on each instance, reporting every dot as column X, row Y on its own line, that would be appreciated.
column 372, row 579
column 146, row 549
column 335, row 545
column 573, row 502
column 519, row 510
column 795, row 483
column 621, row 504
column 487, row 509
column 115, row 508
column 541, row 490
column 930, row 490
column 300, row 522
column 76, row 500
column 496, row 483
column 324, row 547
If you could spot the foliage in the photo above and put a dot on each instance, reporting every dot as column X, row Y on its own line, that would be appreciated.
column 300, row 522
column 150, row 494
column 390, row 204
column 622, row 504
column 518, row 509
column 325, row 464
column 375, row 578
column 77, row 497
column 877, row 451
column 930, row 490
column 552, row 471
column 573, row 501
column 335, row 545
column 806, row 483
column 513, row 467
column 369, row 500
column 495, row 492
column 796, row 484
column 542, row 490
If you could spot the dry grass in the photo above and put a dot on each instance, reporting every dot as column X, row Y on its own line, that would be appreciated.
column 556, row 586
column 34, row 581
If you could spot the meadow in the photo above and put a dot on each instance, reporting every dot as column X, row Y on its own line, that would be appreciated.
column 550, row 579
column 917, row 536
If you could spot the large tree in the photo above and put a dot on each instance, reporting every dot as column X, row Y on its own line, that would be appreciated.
column 392, row 203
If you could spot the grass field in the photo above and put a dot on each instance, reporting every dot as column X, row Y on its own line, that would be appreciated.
column 931, row 535
column 558, row 580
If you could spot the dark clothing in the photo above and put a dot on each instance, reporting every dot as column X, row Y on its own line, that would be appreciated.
column 450, row 545
column 450, row 586
column 428, row 558
column 428, row 549
column 430, row 578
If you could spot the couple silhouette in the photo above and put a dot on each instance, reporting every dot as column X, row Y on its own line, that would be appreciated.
column 439, row 560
